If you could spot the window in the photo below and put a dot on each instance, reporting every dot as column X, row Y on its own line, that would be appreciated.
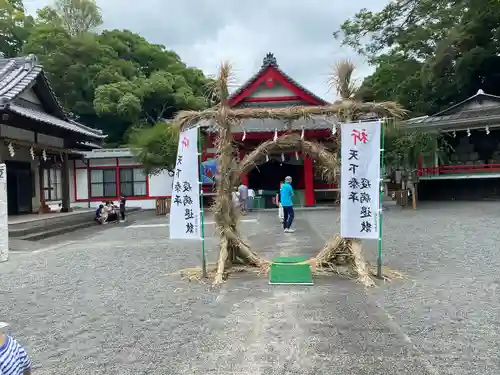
column 52, row 184
column 132, row 182
column 102, row 183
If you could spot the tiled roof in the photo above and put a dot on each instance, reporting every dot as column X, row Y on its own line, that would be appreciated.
column 461, row 114
column 270, row 60
column 21, row 73
column 51, row 120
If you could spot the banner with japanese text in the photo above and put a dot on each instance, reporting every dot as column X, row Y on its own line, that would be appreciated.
column 185, row 216
column 360, row 180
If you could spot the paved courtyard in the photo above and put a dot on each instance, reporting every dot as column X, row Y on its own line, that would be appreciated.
column 110, row 301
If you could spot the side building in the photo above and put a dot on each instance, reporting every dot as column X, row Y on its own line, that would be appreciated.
column 466, row 165
column 107, row 174
column 38, row 140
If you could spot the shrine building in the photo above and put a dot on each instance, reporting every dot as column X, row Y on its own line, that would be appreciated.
column 271, row 87
column 466, row 165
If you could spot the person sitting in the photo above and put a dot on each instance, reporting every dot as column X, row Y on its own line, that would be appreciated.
column 112, row 212
column 101, row 215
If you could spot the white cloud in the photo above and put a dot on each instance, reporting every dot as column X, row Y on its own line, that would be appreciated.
column 205, row 32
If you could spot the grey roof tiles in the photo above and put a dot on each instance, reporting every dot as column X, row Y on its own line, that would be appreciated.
column 22, row 73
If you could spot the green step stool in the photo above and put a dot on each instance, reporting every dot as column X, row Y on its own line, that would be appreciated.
column 287, row 270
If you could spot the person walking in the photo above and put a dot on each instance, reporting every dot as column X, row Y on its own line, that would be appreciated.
column 286, row 195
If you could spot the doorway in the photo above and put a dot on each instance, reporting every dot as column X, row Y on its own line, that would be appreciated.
column 268, row 176
column 19, row 187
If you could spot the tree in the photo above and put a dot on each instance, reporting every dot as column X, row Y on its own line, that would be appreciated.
column 428, row 54
column 155, row 147
column 115, row 80
column 78, row 16
column 14, row 27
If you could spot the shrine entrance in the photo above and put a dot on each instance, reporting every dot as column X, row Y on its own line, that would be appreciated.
column 267, row 176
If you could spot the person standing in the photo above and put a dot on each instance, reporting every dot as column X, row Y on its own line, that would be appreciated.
column 243, row 195
column 123, row 202
column 286, row 195
column 278, row 203
column 251, row 197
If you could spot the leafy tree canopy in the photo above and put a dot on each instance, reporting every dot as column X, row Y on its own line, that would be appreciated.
column 155, row 147
column 14, row 27
column 114, row 80
column 428, row 55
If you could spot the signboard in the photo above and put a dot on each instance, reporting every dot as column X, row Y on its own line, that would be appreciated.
column 360, row 180
column 4, row 226
column 185, row 215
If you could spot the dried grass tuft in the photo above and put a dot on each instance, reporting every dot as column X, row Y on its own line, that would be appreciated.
column 341, row 79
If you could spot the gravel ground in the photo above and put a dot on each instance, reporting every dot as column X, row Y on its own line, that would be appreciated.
column 110, row 301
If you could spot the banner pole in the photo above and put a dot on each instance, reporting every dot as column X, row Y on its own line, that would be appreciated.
column 381, row 188
column 202, row 215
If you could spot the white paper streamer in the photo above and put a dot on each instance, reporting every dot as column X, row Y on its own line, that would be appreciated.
column 12, row 152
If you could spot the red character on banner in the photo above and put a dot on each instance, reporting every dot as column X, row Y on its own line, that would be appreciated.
column 359, row 136
column 185, row 142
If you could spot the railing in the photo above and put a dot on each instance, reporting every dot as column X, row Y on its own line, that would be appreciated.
column 459, row 169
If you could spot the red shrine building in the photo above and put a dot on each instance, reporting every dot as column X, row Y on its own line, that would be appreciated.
column 271, row 87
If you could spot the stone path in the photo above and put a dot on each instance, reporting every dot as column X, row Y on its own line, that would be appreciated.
column 109, row 302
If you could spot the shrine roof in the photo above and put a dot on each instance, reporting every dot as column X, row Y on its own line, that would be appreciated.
column 480, row 108
column 20, row 74
column 270, row 62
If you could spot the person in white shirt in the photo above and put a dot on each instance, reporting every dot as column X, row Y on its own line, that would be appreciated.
column 236, row 198
column 251, row 196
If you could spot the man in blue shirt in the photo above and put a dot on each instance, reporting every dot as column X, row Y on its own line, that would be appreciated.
column 286, row 194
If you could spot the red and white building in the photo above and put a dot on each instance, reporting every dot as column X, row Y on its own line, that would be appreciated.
column 107, row 174
column 272, row 87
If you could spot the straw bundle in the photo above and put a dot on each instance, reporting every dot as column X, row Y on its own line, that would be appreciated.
column 222, row 118
column 347, row 108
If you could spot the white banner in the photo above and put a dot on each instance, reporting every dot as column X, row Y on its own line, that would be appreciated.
column 4, row 224
column 185, row 217
column 360, row 180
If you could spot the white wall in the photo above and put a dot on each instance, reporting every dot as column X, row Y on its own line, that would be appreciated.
column 160, row 185
column 107, row 162
column 263, row 91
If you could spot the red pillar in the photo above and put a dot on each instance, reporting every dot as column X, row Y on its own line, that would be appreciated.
column 244, row 176
column 419, row 165
column 308, row 182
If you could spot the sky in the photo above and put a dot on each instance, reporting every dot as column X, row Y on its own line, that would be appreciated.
column 206, row 32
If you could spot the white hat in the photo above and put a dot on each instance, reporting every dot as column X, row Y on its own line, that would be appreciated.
column 3, row 325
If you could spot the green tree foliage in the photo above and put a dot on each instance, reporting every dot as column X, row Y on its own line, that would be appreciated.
column 428, row 54
column 114, row 80
column 14, row 27
column 155, row 147
column 78, row 16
